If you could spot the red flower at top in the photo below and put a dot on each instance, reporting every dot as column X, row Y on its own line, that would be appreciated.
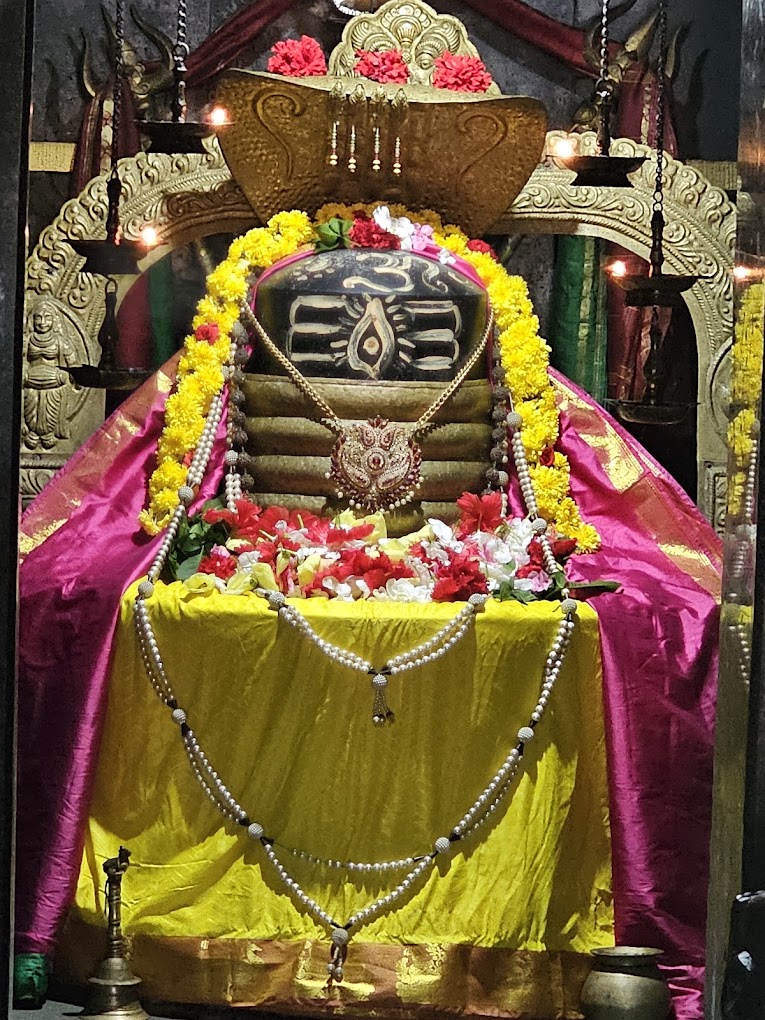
column 298, row 58
column 385, row 66
column 366, row 233
column 479, row 513
column 461, row 74
column 482, row 246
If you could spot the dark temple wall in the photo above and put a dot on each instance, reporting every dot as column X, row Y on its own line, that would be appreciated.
column 707, row 87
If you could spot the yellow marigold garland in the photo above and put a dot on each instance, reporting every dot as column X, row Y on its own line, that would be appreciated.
column 746, row 375
column 525, row 357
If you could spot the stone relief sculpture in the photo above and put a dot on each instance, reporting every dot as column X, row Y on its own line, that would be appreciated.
column 50, row 400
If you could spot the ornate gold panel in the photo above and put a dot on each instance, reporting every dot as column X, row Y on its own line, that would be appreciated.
column 278, row 144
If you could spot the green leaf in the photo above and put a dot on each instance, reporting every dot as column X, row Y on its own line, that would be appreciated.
column 333, row 234
column 188, row 567
column 596, row 587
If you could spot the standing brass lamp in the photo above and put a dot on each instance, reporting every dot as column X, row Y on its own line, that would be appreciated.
column 114, row 991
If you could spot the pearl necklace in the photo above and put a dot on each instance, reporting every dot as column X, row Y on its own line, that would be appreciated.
column 495, row 790
column 446, row 638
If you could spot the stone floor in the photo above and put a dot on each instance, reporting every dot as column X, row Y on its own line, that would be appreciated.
column 69, row 1003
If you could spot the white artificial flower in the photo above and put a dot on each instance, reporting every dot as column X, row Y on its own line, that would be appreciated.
column 247, row 560
column 400, row 226
column 403, row 589
column 446, row 258
column 339, row 589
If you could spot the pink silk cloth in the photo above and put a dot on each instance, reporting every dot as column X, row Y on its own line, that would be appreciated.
column 81, row 549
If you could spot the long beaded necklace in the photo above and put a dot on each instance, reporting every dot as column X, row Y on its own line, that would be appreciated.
column 507, row 424
column 420, row 655
column 376, row 463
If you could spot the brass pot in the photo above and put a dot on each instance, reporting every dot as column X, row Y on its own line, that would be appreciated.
column 625, row 984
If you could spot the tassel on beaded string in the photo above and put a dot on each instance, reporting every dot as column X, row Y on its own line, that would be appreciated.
column 337, row 954
column 381, row 712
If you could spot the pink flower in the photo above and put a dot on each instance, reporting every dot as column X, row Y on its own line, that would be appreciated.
column 298, row 58
column 384, row 66
column 461, row 74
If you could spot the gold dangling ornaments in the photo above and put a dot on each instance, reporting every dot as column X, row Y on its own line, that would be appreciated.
column 375, row 464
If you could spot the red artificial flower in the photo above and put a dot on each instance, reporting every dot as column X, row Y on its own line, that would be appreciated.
column 385, row 66
column 461, row 74
column 547, row 457
column 562, row 548
column 340, row 536
column 536, row 556
column 459, row 579
column 277, row 520
column 242, row 522
column 208, row 332
column 479, row 513
column 366, row 233
column 298, row 58
column 221, row 566
column 483, row 247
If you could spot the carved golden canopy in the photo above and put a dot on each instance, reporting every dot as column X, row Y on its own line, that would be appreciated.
column 465, row 155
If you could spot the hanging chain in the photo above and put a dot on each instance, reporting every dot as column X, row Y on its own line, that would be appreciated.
column 657, row 220
column 119, row 36
column 603, row 80
column 658, row 195
column 604, row 87
column 180, row 52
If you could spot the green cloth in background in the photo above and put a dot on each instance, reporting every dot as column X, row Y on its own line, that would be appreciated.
column 161, row 304
column 578, row 323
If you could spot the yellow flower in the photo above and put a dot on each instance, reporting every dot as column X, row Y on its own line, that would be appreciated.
column 740, row 432
column 263, row 577
column 169, row 475
column 238, row 584
column 200, row 584
column 308, row 569
column 295, row 225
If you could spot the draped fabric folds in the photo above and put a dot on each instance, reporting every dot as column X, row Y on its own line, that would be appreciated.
column 81, row 550
column 291, row 734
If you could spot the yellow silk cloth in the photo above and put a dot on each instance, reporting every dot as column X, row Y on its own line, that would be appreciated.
column 500, row 926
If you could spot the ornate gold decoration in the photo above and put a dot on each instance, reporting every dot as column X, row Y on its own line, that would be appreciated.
column 277, row 143
column 376, row 464
column 188, row 197
column 412, row 27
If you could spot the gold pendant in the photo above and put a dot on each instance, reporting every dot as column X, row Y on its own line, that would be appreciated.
column 376, row 464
